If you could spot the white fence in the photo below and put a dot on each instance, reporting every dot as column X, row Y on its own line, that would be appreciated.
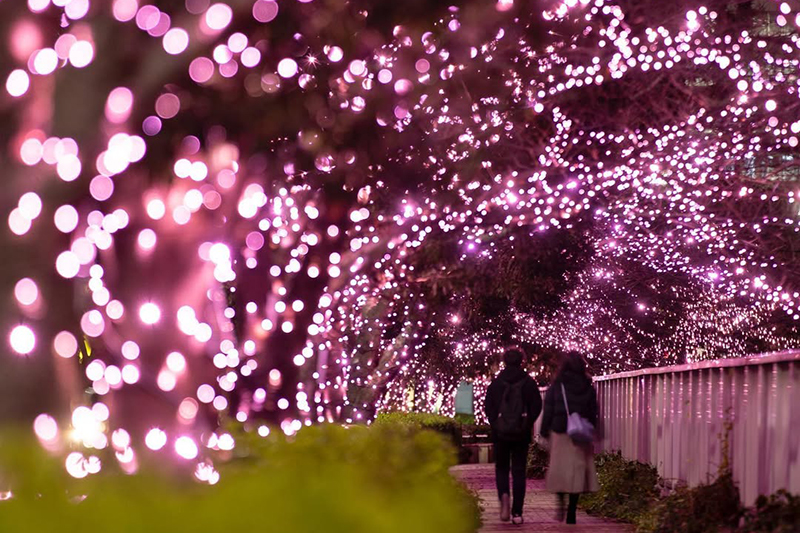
column 675, row 418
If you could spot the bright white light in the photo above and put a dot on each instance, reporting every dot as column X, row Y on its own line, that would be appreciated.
column 205, row 393
column 218, row 16
column 22, row 339
column 287, row 68
column 156, row 209
column 149, row 313
column 67, row 264
column 186, row 447
column 155, row 439
column 45, row 62
column 130, row 350
column 17, row 83
column 66, row 218
column 130, row 374
column 166, row 380
column 176, row 362
column 219, row 253
column 81, row 54
column 147, row 239
column 175, row 41
column 121, row 439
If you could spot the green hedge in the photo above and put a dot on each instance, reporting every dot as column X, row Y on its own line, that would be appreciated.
column 450, row 427
column 328, row 479
column 465, row 419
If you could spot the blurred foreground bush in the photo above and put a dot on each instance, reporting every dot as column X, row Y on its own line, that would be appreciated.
column 326, row 479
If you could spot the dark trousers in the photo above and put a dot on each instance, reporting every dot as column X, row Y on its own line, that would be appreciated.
column 511, row 456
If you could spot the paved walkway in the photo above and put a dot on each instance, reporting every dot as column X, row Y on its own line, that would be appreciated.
column 540, row 506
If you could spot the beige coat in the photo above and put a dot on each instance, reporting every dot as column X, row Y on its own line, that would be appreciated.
column 571, row 467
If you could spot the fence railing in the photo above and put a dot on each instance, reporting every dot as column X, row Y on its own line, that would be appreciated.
column 676, row 418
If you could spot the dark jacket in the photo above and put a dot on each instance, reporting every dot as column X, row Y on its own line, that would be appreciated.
column 530, row 393
column 582, row 399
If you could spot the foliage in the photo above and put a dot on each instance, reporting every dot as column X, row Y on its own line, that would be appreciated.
column 538, row 461
column 629, row 491
column 471, row 430
column 449, row 427
column 465, row 419
column 527, row 271
column 705, row 508
column 328, row 478
column 777, row 513
column 710, row 506
column 459, row 430
column 627, row 488
column 614, row 277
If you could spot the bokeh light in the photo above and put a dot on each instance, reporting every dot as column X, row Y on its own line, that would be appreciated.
column 149, row 313
column 22, row 339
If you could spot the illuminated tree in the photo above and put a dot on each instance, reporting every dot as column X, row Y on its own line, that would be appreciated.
column 302, row 211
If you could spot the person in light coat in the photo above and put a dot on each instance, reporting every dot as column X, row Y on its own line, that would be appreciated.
column 571, row 471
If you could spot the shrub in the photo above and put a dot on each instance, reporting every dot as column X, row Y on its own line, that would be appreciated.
column 629, row 491
column 538, row 461
column 328, row 478
column 447, row 426
column 627, row 488
column 777, row 513
column 465, row 419
column 702, row 509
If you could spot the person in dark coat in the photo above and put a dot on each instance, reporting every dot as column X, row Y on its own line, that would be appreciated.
column 571, row 469
column 511, row 449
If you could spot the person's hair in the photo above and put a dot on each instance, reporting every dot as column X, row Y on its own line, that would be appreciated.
column 513, row 357
column 575, row 363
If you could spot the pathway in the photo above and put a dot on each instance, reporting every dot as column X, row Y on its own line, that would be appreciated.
column 540, row 506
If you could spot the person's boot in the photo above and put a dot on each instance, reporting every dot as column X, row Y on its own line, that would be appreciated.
column 505, row 508
column 572, row 509
column 517, row 520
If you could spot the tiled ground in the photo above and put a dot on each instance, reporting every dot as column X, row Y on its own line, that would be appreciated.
column 540, row 506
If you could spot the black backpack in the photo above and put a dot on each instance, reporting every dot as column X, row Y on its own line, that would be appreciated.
column 512, row 419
